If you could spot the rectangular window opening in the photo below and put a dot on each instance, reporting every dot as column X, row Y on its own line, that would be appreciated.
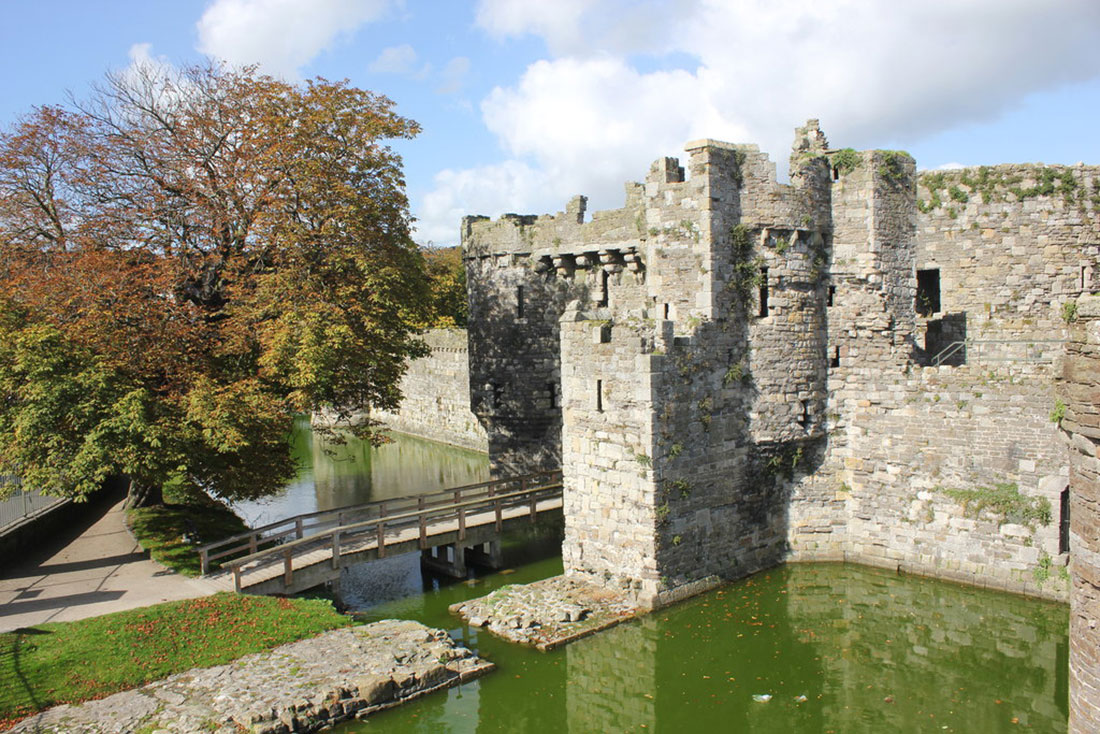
column 519, row 301
column 599, row 396
column 552, row 391
column 928, row 291
column 1063, row 522
column 834, row 361
column 763, row 292
column 666, row 312
column 831, row 296
column 604, row 277
column 804, row 419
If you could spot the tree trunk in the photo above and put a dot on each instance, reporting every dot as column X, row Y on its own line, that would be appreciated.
column 140, row 495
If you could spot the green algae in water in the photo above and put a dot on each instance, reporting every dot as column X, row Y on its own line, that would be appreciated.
column 837, row 648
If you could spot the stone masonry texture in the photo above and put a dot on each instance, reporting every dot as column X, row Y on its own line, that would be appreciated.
column 436, row 394
column 734, row 372
column 1080, row 386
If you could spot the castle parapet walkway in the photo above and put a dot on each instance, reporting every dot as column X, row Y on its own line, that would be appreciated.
column 300, row 552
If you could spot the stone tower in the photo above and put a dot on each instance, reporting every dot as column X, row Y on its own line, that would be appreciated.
column 673, row 355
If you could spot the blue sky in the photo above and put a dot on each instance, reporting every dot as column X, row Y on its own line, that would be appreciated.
column 525, row 103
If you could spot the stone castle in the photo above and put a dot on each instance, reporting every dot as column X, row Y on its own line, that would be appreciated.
column 860, row 365
column 734, row 372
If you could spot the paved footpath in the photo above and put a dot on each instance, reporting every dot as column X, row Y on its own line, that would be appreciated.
column 101, row 570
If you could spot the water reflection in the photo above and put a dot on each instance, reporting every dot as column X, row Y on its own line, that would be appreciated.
column 335, row 475
column 834, row 648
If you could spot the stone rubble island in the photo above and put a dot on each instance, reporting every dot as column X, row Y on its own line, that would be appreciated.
column 548, row 613
column 305, row 686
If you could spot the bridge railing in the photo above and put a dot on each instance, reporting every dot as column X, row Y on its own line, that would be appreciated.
column 380, row 517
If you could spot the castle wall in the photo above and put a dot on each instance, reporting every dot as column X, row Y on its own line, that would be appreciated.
column 869, row 323
column 521, row 272
column 1080, row 386
column 956, row 473
column 734, row 372
column 1012, row 244
column 435, row 394
column 914, row 451
column 683, row 423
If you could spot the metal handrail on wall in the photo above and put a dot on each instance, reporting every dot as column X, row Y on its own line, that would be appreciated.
column 955, row 347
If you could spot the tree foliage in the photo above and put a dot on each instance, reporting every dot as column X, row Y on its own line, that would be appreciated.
column 447, row 283
column 189, row 258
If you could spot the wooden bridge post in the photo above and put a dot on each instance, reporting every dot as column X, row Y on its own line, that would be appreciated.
column 534, row 500
column 423, row 522
column 288, row 566
column 298, row 527
column 381, row 540
column 204, row 563
column 237, row 579
column 496, row 508
column 336, row 549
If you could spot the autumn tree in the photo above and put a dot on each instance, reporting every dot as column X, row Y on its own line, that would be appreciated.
column 189, row 258
column 447, row 287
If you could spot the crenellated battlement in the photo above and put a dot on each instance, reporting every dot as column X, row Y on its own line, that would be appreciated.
column 733, row 371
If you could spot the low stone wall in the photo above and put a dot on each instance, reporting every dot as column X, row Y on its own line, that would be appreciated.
column 436, row 390
column 305, row 686
column 1081, row 389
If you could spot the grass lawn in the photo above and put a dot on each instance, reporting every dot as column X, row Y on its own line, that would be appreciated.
column 160, row 530
column 65, row 662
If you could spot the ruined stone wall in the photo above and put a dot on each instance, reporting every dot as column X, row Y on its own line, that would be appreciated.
column 1080, row 387
column 521, row 272
column 957, row 473
column 913, row 452
column 1012, row 245
column 741, row 365
column 869, row 321
column 435, row 393
column 688, row 411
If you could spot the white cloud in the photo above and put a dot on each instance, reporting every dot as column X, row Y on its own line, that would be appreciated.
column 400, row 60
column 492, row 190
column 280, row 35
column 556, row 22
column 454, row 75
column 608, row 100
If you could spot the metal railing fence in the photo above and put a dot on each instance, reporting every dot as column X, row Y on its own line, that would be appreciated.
column 22, row 505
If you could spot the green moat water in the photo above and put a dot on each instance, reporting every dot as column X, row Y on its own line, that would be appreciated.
column 870, row 651
column 334, row 475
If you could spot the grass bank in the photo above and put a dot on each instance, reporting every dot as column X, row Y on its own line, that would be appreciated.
column 66, row 662
column 167, row 531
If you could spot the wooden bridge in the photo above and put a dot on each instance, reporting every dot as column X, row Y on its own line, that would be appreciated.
column 301, row 552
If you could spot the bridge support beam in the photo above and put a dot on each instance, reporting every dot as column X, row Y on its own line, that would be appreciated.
column 449, row 560
column 453, row 559
column 486, row 555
